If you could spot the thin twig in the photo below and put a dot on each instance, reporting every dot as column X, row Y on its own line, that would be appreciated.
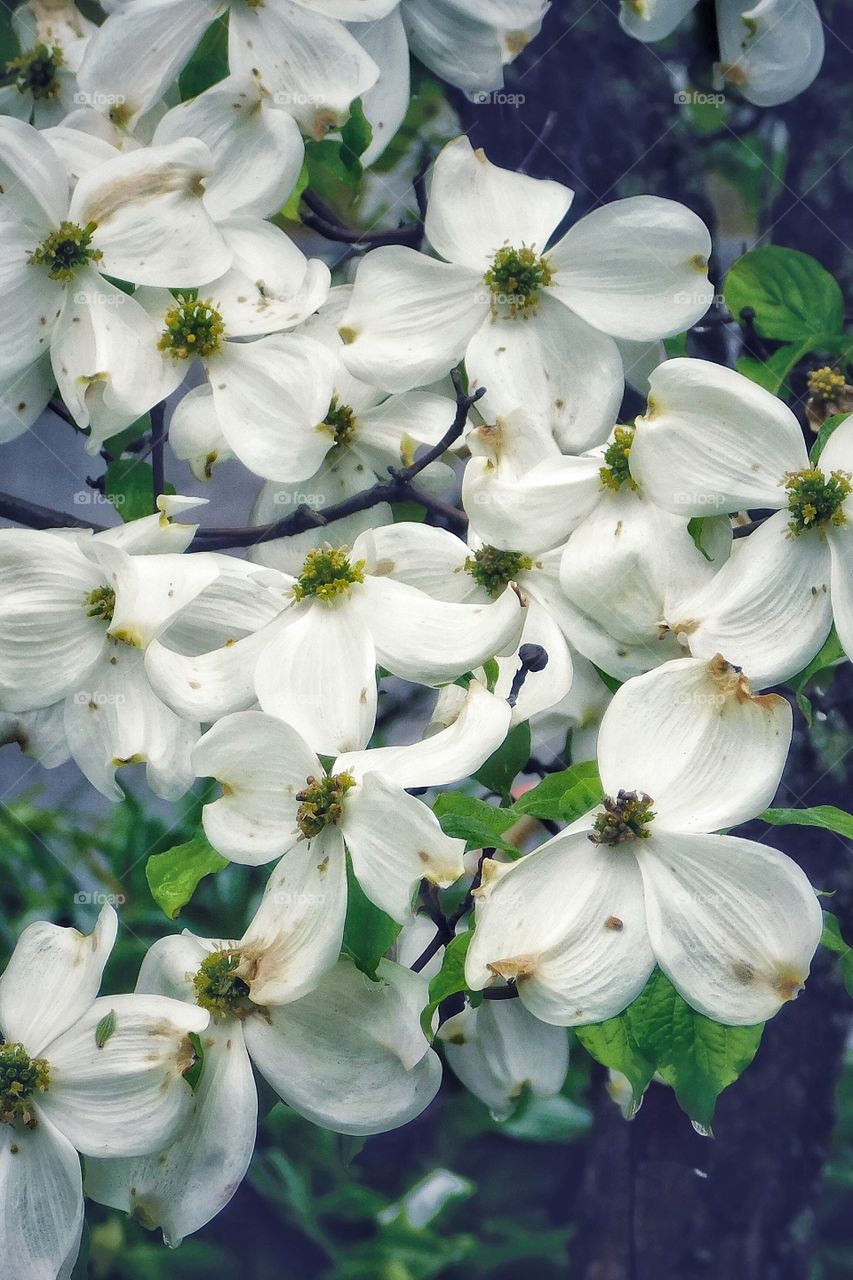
column 320, row 217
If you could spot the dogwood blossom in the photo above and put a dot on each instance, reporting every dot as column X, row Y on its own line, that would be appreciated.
column 99, row 1075
column 579, row 924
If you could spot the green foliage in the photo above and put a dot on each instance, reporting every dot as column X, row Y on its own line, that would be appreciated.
column 826, row 816
column 824, row 662
column 368, row 932
column 129, row 485
column 659, row 1032
column 174, row 876
column 823, row 435
column 209, row 63
column 501, row 769
column 832, row 939
column 450, row 979
column 479, row 824
column 697, row 530
column 563, row 796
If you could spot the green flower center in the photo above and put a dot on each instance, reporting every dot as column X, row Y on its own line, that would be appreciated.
column 321, row 803
column 340, row 420
column 101, row 603
column 66, row 250
column 36, row 71
column 815, row 500
column 625, row 818
column 826, row 383
column 493, row 569
column 616, row 471
column 218, row 987
column 20, row 1077
column 193, row 328
column 515, row 278
column 327, row 573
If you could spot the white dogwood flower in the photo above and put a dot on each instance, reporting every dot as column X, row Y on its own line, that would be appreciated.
column 580, row 923
column 713, row 441
column 78, row 1072
column 52, row 39
column 469, row 42
column 344, row 1051
column 636, row 269
column 276, row 795
column 499, row 1051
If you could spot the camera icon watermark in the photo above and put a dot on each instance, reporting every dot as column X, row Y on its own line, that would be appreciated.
column 292, row 98
column 89, row 298
column 695, row 98
column 498, row 98
column 99, row 698
column 99, row 899
column 92, row 498
column 298, row 498
column 99, row 99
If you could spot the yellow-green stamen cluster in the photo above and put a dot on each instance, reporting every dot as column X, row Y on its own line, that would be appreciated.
column 66, row 250
column 321, row 803
column 218, row 988
column 815, row 500
column 340, row 420
column 20, row 1077
column 327, row 573
column 101, row 603
column 625, row 818
column 193, row 328
column 515, row 278
column 36, row 72
column 826, row 383
column 492, row 568
column 616, row 471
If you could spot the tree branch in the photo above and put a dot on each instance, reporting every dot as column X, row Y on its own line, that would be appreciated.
column 322, row 218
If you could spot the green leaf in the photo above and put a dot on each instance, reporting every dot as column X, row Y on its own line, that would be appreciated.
column 450, row 979
column 501, row 769
column 193, row 1073
column 105, row 1028
column 612, row 1044
column 291, row 208
column 610, row 681
column 698, row 1057
column 575, row 790
column 772, row 372
column 829, row 654
column 479, row 824
column 368, row 932
column 173, row 876
column 833, row 941
column 793, row 297
column 129, row 486
column 825, row 816
column 555, row 1119
column 209, row 63
column 356, row 136
column 696, row 529
column 116, row 445
column 823, row 435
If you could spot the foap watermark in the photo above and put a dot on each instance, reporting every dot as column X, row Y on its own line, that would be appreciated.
column 99, row 899
column 696, row 98
column 299, row 499
column 498, row 98
column 292, row 98
column 92, row 498
column 94, row 298
column 99, row 698
column 99, row 100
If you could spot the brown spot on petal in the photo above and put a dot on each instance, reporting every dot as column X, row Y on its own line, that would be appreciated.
column 614, row 923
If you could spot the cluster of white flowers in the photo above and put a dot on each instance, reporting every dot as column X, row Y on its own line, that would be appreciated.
column 141, row 260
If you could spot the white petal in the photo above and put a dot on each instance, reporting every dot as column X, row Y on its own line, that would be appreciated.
column 717, row 754
column 713, row 441
column 541, row 689
column 499, row 1050
column 149, row 590
column 183, row 1187
column 733, row 924
column 636, row 268
column 768, row 609
column 30, row 301
column 296, row 934
column 389, row 433
column 40, row 734
column 535, row 511
column 841, row 577
column 257, row 151
column 208, row 685
column 319, row 674
column 650, row 20
column 564, row 375
column 432, row 560
column 476, row 208
column 32, row 179
column 567, row 924
column 123, row 1094
column 308, row 63
column 24, row 396
column 394, row 841
column 52, row 978
column 152, row 226
column 195, row 436
column 410, row 318
column 385, row 105
column 78, row 151
column 47, row 642
column 262, row 763
column 140, row 50
column 42, row 1197
column 480, row 725
column 468, row 42
column 270, row 397
column 271, row 285
column 770, row 51
column 158, row 532
column 433, row 641
column 351, row 1056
